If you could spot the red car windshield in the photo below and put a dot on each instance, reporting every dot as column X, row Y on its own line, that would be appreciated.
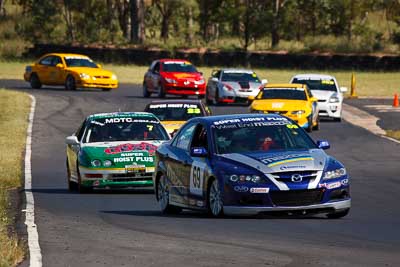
column 178, row 66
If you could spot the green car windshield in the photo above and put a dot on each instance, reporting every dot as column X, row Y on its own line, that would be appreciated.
column 175, row 112
column 124, row 129
column 256, row 138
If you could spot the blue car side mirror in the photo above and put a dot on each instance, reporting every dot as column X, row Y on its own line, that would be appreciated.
column 323, row 144
column 198, row 152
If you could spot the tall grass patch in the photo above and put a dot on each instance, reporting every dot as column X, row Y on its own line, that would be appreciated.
column 14, row 109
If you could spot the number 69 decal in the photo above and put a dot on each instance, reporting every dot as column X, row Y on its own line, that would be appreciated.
column 197, row 178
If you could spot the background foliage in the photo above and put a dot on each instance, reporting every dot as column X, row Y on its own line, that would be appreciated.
column 362, row 26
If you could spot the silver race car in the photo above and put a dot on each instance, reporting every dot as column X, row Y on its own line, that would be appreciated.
column 232, row 85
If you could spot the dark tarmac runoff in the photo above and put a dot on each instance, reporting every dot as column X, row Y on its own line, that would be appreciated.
column 125, row 228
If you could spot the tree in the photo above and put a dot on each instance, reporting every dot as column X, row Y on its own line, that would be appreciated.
column 166, row 9
column 137, row 21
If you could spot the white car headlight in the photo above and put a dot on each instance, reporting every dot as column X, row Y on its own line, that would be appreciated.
column 199, row 81
column 244, row 178
column 334, row 99
column 298, row 112
column 114, row 77
column 84, row 76
column 335, row 173
column 168, row 80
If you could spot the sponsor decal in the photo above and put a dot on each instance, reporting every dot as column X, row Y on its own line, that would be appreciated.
column 250, row 122
column 292, row 167
column 129, row 120
column 200, row 203
column 330, row 185
column 135, row 168
column 178, row 105
column 133, row 159
column 289, row 161
column 241, row 188
column 131, row 147
column 281, row 159
column 259, row 190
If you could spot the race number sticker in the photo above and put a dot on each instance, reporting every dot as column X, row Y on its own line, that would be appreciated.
column 197, row 178
column 277, row 105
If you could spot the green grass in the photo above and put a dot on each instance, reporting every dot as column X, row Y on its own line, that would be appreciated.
column 367, row 83
column 14, row 109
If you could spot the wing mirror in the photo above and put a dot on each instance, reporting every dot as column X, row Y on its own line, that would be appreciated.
column 99, row 66
column 323, row 144
column 264, row 81
column 198, row 152
column 173, row 133
column 343, row 89
column 60, row 66
column 251, row 97
column 214, row 79
column 72, row 140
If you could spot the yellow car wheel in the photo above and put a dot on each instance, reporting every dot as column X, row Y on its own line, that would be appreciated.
column 70, row 83
column 34, row 81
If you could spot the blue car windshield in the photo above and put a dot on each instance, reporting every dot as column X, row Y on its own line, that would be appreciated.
column 124, row 129
column 79, row 62
column 284, row 93
column 228, row 76
column 318, row 84
column 253, row 137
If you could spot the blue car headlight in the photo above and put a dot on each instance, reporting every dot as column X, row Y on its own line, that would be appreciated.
column 336, row 173
column 244, row 178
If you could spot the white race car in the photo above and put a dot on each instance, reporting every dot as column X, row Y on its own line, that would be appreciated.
column 326, row 89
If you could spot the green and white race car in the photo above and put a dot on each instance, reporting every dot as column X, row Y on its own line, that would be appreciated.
column 113, row 150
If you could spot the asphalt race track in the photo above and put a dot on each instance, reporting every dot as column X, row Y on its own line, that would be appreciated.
column 126, row 229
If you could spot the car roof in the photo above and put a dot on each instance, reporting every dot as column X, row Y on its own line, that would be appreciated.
column 237, row 69
column 211, row 119
column 176, row 101
column 173, row 59
column 313, row 76
column 65, row 55
column 121, row 114
column 284, row 85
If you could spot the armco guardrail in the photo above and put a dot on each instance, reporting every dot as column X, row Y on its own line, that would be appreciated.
column 229, row 59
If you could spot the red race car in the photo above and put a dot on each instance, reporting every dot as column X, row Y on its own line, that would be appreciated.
column 175, row 77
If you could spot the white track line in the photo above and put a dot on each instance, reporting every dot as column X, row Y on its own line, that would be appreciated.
column 35, row 255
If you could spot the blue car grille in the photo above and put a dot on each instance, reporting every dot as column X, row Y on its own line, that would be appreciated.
column 296, row 197
column 286, row 177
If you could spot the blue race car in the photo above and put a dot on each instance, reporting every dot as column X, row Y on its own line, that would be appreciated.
column 249, row 164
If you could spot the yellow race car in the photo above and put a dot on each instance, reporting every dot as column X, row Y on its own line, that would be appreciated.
column 174, row 113
column 294, row 101
column 71, row 70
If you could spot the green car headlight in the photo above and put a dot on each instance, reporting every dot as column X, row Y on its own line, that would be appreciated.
column 96, row 163
column 107, row 163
